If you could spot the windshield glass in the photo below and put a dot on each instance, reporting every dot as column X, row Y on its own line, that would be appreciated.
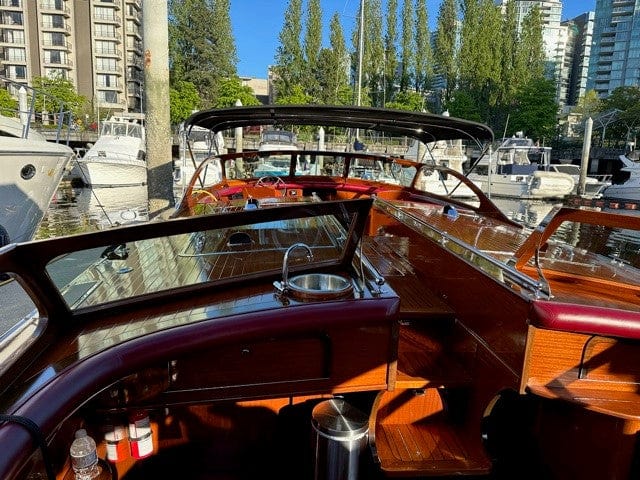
column 94, row 276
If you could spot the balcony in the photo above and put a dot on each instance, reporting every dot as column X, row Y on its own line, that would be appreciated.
column 61, row 63
column 109, row 3
column 108, row 52
column 11, row 3
column 47, row 7
column 103, row 34
column 107, row 18
column 56, row 27
column 57, row 44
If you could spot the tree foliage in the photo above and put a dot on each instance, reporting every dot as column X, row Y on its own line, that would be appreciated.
column 231, row 90
column 8, row 104
column 424, row 56
column 446, row 50
column 183, row 99
column 535, row 110
column 289, row 58
column 57, row 94
column 201, row 50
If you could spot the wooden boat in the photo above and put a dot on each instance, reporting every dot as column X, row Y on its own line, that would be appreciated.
column 328, row 322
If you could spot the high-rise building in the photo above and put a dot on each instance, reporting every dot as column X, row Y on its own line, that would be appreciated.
column 580, row 32
column 567, row 46
column 96, row 44
column 615, row 55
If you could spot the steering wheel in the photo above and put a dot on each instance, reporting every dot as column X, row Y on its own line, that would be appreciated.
column 271, row 181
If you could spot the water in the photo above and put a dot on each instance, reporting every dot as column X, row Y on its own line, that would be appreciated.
column 80, row 210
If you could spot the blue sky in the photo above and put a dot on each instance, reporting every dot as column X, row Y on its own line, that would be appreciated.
column 257, row 25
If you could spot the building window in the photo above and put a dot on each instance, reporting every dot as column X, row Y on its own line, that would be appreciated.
column 107, row 64
column 16, row 54
column 107, row 80
column 108, row 96
column 104, row 30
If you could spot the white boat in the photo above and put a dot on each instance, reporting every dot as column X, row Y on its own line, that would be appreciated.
column 520, row 169
column 630, row 189
column 194, row 146
column 594, row 186
column 30, row 171
column 118, row 157
column 449, row 154
column 274, row 141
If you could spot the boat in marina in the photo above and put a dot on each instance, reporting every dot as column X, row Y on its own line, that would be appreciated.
column 630, row 188
column 194, row 146
column 118, row 158
column 273, row 141
column 340, row 320
column 594, row 185
column 519, row 168
column 31, row 169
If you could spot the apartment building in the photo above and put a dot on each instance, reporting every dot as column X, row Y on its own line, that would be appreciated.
column 615, row 60
column 96, row 44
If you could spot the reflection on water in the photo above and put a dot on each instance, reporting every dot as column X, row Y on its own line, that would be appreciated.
column 79, row 210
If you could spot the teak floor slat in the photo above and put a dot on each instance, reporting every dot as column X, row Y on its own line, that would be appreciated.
column 430, row 448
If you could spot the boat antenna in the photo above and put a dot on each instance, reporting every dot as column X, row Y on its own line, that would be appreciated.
column 504, row 133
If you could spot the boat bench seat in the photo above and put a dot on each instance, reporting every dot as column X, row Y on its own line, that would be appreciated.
column 586, row 319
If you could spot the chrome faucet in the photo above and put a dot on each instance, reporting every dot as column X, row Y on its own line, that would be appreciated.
column 285, row 261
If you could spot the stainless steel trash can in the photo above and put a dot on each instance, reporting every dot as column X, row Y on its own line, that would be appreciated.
column 340, row 439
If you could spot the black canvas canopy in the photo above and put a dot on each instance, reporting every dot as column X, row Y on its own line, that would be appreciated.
column 425, row 127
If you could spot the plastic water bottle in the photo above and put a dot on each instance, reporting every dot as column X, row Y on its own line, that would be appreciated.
column 84, row 456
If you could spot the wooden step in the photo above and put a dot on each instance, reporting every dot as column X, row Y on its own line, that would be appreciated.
column 410, row 435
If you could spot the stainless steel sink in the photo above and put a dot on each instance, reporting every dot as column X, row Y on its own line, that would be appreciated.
column 319, row 286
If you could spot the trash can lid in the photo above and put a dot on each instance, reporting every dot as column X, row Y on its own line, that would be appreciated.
column 337, row 418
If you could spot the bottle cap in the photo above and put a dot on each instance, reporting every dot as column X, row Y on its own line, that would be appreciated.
column 81, row 433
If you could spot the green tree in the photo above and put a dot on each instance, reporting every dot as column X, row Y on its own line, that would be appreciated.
column 231, row 90
column 184, row 99
column 626, row 101
column 201, row 51
column 480, row 60
column 407, row 47
column 333, row 68
column 374, row 51
column 8, row 104
column 390, row 50
column 530, row 53
column 446, row 51
column 589, row 104
column 412, row 101
column 297, row 96
column 536, row 110
column 424, row 55
column 56, row 94
column 289, row 59
column 463, row 105
column 312, row 46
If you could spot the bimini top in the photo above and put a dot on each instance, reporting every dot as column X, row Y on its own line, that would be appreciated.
column 425, row 127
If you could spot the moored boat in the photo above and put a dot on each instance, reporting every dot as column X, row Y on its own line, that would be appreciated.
column 450, row 339
column 630, row 188
column 31, row 169
column 520, row 169
column 118, row 158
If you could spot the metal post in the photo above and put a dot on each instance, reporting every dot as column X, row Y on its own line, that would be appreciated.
column 586, row 149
